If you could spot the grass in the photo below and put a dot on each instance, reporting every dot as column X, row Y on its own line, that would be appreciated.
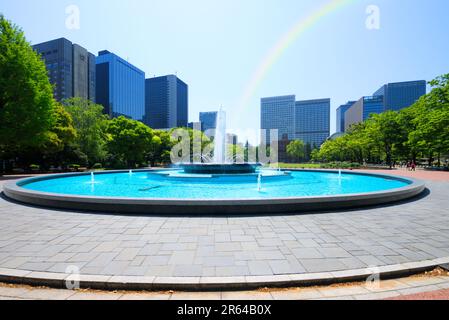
column 296, row 165
column 332, row 165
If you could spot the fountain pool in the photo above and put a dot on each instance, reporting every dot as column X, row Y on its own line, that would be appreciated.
column 177, row 191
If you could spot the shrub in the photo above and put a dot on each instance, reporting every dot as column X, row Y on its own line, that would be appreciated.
column 340, row 165
column 97, row 166
column 35, row 167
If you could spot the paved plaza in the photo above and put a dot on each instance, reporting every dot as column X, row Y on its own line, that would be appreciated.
column 44, row 240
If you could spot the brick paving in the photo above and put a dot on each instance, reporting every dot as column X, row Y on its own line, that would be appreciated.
column 418, row 174
column 37, row 239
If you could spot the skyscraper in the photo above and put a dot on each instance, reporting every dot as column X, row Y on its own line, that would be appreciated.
column 278, row 113
column 401, row 95
column 363, row 109
column 341, row 111
column 208, row 120
column 307, row 120
column 166, row 102
column 71, row 69
column 313, row 121
column 392, row 96
column 120, row 87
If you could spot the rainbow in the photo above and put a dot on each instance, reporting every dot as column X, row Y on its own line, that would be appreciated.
column 286, row 41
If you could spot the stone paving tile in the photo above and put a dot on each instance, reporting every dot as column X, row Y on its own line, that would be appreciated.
column 340, row 292
column 142, row 296
column 387, row 285
column 127, row 254
column 414, row 290
column 182, row 258
column 283, row 267
column 216, row 261
column 94, row 296
column 231, row 271
column 102, row 259
column 377, row 296
column 334, row 253
column 13, row 292
column 302, row 294
column 47, row 240
column 188, row 271
column 196, row 296
column 115, row 268
column 246, row 295
column 307, row 253
column 259, row 268
column 47, row 294
column 337, row 298
column 322, row 265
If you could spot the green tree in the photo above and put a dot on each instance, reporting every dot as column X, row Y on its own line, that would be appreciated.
column 90, row 124
column 385, row 128
column 57, row 146
column 296, row 150
column 430, row 121
column 201, row 147
column 160, row 148
column 315, row 155
column 60, row 147
column 129, row 141
column 27, row 107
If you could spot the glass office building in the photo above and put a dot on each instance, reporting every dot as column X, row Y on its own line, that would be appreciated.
column 363, row 109
column 71, row 69
column 313, row 121
column 341, row 111
column 307, row 120
column 120, row 87
column 392, row 96
column 166, row 102
column 278, row 113
column 400, row 95
column 208, row 121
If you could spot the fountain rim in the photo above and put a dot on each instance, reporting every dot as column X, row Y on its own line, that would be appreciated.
column 237, row 206
column 220, row 168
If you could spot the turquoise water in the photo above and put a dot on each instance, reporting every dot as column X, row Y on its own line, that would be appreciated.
column 151, row 185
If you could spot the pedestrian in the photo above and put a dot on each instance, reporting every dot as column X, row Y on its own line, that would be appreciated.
column 413, row 166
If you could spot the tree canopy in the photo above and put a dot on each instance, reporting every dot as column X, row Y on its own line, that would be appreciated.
column 421, row 130
column 27, row 107
column 90, row 124
column 296, row 149
column 129, row 141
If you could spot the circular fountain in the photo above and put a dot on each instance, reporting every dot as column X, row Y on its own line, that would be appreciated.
column 220, row 163
column 217, row 187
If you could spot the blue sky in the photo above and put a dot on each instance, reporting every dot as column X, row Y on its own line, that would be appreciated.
column 216, row 45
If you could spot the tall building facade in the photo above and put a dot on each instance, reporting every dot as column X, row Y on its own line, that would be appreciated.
column 363, row 109
column 392, row 96
column 278, row 113
column 341, row 111
column 166, row 102
column 307, row 120
column 71, row 69
column 120, row 87
column 400, row 95
column 208, row 121
column 313, row 121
